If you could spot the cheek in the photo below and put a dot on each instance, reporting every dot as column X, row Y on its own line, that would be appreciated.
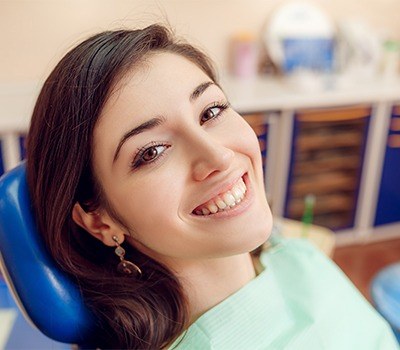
column 247, row 140
column 149, row 204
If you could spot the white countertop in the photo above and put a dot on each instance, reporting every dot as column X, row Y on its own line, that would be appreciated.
column 257, row 95
column 263, row 94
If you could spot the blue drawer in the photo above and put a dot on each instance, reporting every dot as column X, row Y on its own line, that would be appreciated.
column 388, row 206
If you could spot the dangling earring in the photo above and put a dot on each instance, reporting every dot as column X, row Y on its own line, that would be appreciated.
column 126, row 267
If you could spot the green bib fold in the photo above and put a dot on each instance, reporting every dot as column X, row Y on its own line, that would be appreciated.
column 301, row 301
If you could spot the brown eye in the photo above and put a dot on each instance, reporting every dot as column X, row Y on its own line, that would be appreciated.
column 152, row 153
column 149, row 154
column 210, row 113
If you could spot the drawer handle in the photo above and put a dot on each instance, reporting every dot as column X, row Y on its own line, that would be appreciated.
column 394, row 141
column 396, row 110
column 395, row 124
column 332, row 116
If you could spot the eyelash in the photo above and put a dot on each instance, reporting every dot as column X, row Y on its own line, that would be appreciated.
column 138, row 160
column 223, row 106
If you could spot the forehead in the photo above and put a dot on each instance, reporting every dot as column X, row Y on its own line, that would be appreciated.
column 160, row 78
column 156, row 87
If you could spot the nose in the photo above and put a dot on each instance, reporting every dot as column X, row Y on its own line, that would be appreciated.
column 210, row 157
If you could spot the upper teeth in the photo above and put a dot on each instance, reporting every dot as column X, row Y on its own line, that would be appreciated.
column 224, row 201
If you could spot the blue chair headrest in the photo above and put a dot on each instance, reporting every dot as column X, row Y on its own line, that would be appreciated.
column 50, row 298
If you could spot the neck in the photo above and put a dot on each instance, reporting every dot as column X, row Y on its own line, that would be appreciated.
column 209, row 282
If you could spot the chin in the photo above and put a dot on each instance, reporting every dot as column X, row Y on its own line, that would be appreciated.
column 261, row 236
column 255, row 235
column 262, row 228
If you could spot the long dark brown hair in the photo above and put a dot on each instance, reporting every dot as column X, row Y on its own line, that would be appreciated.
column 145, row 313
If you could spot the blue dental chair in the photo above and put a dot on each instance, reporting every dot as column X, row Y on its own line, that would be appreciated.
column 385, row 293
column 46, row 296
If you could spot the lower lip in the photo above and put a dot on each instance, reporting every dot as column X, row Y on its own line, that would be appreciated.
column 237, row 209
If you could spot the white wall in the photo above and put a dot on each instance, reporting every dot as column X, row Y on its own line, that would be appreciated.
column 34, row 34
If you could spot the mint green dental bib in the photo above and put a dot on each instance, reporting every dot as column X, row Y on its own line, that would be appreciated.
column 301, row 301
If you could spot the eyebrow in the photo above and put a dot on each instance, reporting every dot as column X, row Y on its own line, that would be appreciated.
column 154, row 122
column 150, row 124
column 199, row 90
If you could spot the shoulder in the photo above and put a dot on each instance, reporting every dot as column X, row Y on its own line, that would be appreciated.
column 295, row 253
column 312, row 281
column 309, row 276
column 302, row 265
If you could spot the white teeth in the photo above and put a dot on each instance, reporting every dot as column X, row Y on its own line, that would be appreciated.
column 205, row 211
column 212, row 208
column 221, row 204
column 236, row 193
column 226, row 201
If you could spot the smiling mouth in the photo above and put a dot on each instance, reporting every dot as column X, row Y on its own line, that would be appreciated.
column 224, row 201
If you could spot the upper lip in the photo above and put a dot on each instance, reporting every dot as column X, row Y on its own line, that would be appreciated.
column 219, row 187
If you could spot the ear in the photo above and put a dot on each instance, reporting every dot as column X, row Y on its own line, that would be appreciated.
column 99, row 224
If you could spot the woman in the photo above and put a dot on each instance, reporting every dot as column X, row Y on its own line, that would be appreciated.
column 133, row 143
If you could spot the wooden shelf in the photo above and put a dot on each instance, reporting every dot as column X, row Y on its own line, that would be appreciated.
column 324, row 204
column 327, row 160
column 307, row 167
column 322, row 183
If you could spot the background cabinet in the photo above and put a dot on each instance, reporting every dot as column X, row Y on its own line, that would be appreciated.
column 260, row 125
column 19, row 153
column 1, row 159
column 327, row 156
column 388, row 207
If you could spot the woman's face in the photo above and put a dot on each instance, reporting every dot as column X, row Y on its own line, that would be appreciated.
column 169, row 152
